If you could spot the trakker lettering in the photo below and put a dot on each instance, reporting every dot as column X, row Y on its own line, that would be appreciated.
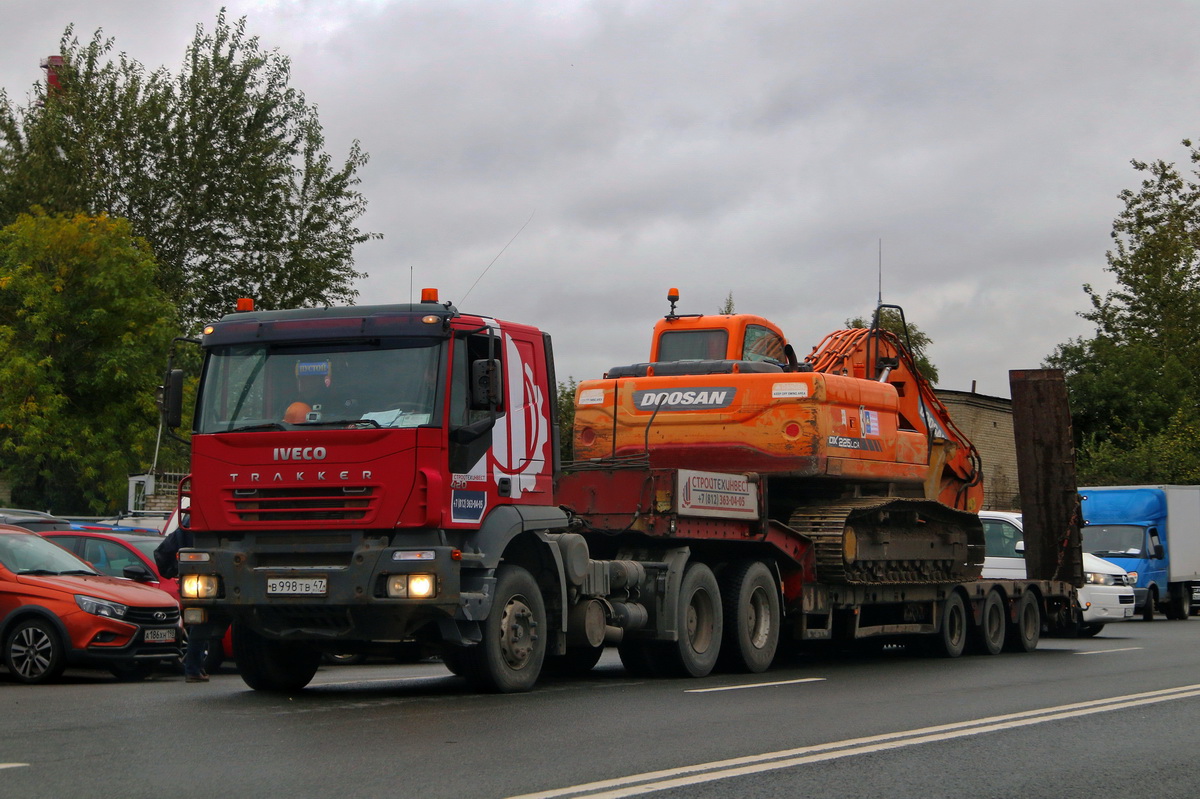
column 279, row 477
column 299, row 453
column 684, row 399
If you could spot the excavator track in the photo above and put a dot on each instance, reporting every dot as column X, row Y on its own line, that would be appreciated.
column 891, row 540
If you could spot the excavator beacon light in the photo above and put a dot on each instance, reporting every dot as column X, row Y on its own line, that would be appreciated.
column 429, row 295
column 672, row 295
column 245, row 304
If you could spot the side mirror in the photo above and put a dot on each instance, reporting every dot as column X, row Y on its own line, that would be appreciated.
column 1156, row 547
column 487, row 384
column 170, row 399
column 139, row 573
column 1020, row 547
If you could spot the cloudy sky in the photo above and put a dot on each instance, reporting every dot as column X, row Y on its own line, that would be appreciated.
column 770, row 149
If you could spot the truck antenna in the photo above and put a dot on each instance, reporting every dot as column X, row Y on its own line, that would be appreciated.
column 502, row 249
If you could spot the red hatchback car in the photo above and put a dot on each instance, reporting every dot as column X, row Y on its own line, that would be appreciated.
column 131, row 556
column 56, row 610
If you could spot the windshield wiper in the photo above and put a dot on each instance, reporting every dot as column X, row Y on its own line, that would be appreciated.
column 260, row 426
column 79, row 571
column 333, row 422
column 38, row 572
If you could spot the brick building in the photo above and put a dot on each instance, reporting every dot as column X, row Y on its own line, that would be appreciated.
column 988, row 422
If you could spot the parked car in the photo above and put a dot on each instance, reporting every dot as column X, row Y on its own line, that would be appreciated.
column 1107, row 593
column 34, row 520
column 56, row 610
column 131, row 556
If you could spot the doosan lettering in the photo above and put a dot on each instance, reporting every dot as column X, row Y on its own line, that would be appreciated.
column 652, row 398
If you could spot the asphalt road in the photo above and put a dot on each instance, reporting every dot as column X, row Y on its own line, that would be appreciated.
column 1077, row 718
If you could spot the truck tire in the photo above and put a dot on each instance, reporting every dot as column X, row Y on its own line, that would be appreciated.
column 1148, row 608
column 751, row 617
column 34, row 652
column 1025, row 630
column 989, row 634
column 1180, row 606
column 951, row 637
column 509, row 659
column 700, row 622
column 275, row 666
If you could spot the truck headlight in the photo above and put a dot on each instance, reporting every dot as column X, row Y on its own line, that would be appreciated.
column 1132, row 577
column 412, row 586
column 199, row 586
column 101, row 607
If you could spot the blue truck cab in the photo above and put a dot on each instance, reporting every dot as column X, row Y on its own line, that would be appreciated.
column 1152, row 532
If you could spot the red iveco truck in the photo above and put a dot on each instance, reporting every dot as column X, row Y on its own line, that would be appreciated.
column 363, row 476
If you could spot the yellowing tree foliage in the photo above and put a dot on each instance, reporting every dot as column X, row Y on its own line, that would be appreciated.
column 81, row 318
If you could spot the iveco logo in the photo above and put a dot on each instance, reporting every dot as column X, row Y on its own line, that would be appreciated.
column 160, row 616
column 299, row 453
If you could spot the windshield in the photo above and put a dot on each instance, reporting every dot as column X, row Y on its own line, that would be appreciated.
column 375, row 383
column 32, row 554
column 1114, row 540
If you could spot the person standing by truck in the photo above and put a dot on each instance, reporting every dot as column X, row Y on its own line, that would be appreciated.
column 166, row 558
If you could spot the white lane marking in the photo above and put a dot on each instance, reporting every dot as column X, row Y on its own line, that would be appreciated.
column 752, row 685
column 651, row 781
column 13, row 765
column 1106, row 651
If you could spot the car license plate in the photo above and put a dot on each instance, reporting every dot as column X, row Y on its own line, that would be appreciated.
column 297, row 586
column 161, row 636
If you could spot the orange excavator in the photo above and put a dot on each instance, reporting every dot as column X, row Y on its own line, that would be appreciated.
column 851, row 446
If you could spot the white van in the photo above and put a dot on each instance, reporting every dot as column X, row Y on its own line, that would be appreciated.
column 1107, row 593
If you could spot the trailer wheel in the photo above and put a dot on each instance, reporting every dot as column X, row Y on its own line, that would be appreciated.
column 751, row 617
column 951, row 638
column 276, row 666
column 1025, row 632
column 509, row 659
column 34, row 652
column 993, row 626
column 700, row 623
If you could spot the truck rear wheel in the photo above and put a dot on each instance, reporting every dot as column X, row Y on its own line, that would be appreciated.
column 509, row 659
column 951, row 638
column 993, row 626
column 1180, row 606
column 1025, row 632
column 751, row 618
column 276, row 666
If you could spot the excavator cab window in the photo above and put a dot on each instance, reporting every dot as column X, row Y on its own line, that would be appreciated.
column 693, row 345
column 763, row 344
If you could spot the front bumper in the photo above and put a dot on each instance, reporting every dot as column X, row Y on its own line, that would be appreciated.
column 1106, row 603
column 355, row 604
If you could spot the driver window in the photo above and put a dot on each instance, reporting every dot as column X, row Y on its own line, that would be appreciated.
column 763, row 344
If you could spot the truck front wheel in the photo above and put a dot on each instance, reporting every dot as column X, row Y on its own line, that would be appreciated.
column 509, row 659
column 277, row 666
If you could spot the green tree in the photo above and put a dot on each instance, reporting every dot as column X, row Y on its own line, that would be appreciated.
column 566, row 418
column 1133, row 383
column 221, row 168
column 916, row 340
column 727, row 306
column 80, row 321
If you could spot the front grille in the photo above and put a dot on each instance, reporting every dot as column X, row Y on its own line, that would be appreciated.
column 324, row 503
column 169, row 615
column 1125, row 600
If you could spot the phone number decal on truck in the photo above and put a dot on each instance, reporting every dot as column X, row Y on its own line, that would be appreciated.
column 715, row 494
